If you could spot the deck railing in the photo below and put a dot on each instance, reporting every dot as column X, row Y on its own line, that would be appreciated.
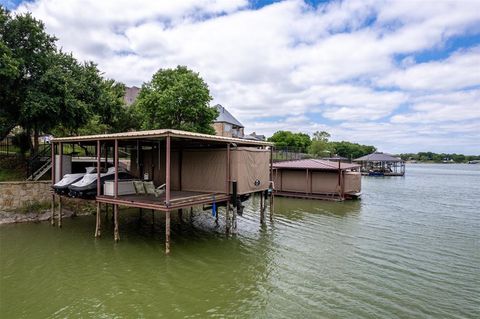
column 289, row 154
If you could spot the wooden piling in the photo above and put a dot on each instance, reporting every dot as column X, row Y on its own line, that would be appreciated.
column 180, row 215
column 262, row 210
column 271, row 206
column 98, row 221
column 60, row 211
column 234, row 218
column 227, row 219
column 116, row 231
column 167, row 232
column 52, row 221
column 191, row 215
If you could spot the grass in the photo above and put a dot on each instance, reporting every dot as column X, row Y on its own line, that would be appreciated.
column 34, row 207
column 11, row 169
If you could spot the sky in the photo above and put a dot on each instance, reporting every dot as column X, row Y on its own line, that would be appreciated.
column 403, row 76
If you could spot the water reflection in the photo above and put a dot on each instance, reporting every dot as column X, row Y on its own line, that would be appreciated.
column 297, row 209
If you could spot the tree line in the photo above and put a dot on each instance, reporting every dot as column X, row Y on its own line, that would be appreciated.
column 44, row 90
column 319, row 145
column 438, row 157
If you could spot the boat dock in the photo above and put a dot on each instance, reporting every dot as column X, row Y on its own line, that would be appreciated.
column 185, row 170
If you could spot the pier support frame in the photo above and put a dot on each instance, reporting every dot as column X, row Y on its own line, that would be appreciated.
column 167, row 232
column 98, row 221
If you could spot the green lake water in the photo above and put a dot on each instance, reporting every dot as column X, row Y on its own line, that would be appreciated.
column 409, row 249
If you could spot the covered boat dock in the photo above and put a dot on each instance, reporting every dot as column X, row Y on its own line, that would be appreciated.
column 317, row 179
column 192, row 169
column 381, row 164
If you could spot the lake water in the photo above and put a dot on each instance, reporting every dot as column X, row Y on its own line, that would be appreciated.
column 409, row 249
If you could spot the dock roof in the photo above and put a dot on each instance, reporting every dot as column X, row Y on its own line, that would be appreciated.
column 378, row 157
column 157, row 134
column 314, row 164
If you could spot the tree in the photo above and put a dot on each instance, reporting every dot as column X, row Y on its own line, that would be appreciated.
column 177, row 99
column 25, row 50
column 46, row 90
column 288, row 139
column 351, row 150
column 320, row 145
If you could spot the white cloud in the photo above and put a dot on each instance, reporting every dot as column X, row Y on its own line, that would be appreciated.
column 288, row 59
column 460, row 70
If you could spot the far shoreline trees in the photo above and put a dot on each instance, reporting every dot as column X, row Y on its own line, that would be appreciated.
column 319, row 145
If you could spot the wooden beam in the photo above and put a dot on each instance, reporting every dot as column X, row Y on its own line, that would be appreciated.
column 60, row 211
column 227, row 186
column 227, row 219
column 52, row 221
column 167, row 232
column 116, row 235
column 115, row 159
column 99, row 155
column 60, row 175
column 167, row 173
column 98, row 222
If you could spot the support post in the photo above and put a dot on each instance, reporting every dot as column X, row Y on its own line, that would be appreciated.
column 272, row 184
column 99, row 152
column 167, row 173
column 306, row 183
column 271, row 206
column 227, row 219
column 52, row 221
column 116, row 168
column 60, row 175
column 227, row 182
column 116, row 231
column 167, row 232
column 60, row 211
column 191, row 215
column 234, row 219
column 180, row 215
column 262, row 210
column 98, row 221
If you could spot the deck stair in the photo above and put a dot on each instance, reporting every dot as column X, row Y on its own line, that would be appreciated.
column 39, row 164
column 35, row 176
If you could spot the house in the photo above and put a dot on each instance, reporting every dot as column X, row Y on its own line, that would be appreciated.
column 226, row 124
column 131, row 94
column 256, row 136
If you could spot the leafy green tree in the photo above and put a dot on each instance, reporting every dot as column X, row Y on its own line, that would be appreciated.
column 46, row 90
column 25, row 53
column 287, row 139
column 351, row 150
column 177, row 99
column 320, row 145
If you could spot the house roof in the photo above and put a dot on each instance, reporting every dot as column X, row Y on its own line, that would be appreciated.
column 160, row 133
column 378, row 157
column 226, row 117
column 314, row 164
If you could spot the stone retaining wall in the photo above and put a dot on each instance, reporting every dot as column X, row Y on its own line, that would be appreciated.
column 15, row 195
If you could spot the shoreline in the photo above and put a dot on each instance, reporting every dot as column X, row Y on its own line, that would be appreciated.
column 34, row 217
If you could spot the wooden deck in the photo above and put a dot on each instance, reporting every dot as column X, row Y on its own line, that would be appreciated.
column 178, row 199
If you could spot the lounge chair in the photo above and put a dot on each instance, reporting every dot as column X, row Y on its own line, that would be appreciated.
column 151, row 190
column 139, row 188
